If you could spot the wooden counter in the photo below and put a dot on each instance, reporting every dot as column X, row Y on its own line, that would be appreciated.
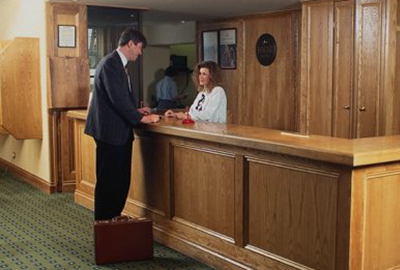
column 239, row 197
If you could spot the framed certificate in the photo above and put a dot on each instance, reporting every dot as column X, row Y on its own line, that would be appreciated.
column 210, row 46
column 227, row 48
column 66, row 36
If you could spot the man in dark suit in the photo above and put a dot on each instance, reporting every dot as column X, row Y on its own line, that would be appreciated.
column 111, row 116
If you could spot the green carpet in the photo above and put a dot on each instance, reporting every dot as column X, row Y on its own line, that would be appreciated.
column 42, row 231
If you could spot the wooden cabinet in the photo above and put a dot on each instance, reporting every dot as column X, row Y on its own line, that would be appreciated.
column 345, row 68
column 68, row 67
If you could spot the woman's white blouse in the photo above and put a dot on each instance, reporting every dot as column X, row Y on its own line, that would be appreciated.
column 210, row 107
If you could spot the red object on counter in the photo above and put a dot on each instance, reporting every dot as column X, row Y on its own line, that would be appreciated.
column 187, row 121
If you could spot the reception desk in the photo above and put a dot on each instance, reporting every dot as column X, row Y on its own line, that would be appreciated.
column 238, row 197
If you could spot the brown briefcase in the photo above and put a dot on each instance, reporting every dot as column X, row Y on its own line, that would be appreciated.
column 123, row 239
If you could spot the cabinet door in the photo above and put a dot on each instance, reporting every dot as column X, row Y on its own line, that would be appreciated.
column 317, row 63
column 343, row 69
column 67, row 158
column 61, row 132
column 368, row 67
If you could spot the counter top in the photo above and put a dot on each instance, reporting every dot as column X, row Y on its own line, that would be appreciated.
column 351, row 152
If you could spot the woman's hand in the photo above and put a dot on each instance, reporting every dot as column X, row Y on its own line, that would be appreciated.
column 178, row 115
column 181, row 115
column 170, row 113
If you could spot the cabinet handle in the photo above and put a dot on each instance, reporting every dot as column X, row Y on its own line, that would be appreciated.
column 362, row 109
column 346, row 107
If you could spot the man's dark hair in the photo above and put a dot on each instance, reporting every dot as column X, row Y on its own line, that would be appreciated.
column 171, row 71
column 134, row 35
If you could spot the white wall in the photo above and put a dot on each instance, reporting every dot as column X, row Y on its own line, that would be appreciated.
column 163, row 40
column 168, row 34
column 26, row 18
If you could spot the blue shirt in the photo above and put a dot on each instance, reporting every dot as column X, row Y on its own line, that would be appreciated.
column 166, row 89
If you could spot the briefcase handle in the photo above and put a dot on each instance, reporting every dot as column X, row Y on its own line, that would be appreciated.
column 121, row 218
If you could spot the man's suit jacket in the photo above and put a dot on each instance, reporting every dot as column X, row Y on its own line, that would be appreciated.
column 112, row 113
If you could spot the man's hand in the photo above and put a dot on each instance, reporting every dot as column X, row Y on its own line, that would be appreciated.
column 144, row 110
column 151, row 118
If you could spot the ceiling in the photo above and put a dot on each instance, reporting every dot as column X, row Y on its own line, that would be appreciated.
column 199, row 10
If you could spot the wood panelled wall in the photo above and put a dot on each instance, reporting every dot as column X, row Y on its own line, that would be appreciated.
column 317, row 45
column 396, row 97
column 270, row 93
column 258, row 95
column 346, row 83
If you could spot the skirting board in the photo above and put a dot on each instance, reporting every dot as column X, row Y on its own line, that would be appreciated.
column 180, row 244
column 28, row 177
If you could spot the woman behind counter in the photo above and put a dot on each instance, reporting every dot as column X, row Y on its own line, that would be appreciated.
column 210, row 104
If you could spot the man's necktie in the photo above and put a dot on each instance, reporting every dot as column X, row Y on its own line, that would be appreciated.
column 129, row 78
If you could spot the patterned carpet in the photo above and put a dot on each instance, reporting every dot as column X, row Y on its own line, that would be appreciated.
column 41, row 231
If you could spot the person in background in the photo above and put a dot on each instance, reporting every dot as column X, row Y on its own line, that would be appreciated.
column 111, row 116
column 210, row 104
column 167, row 91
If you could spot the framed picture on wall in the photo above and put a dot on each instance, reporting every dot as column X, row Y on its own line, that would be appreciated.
column 210, row 46
column 66, row 36
column 227, row 48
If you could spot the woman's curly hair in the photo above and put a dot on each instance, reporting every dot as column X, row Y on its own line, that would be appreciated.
column 214, row 75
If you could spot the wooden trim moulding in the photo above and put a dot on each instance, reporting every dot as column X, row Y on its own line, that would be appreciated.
column 295, row 8
column 83, row 2
column 196, row 251
column 115, row 6
column 28, row 177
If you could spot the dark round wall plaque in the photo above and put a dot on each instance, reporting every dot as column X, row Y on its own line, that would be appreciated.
column 266, row 49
